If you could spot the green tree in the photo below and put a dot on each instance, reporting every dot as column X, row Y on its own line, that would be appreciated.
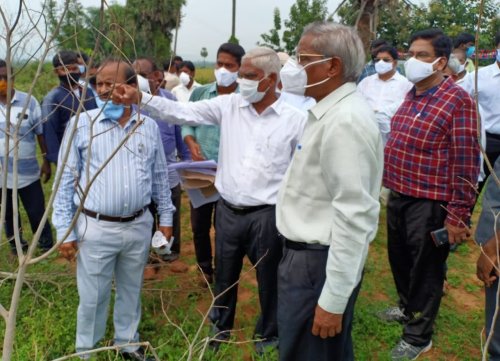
column 272, row 39
column 204, row 54
column 302, row 13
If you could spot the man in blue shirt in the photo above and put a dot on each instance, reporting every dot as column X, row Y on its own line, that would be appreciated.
column 62, row 102
column 24, row 128
column 115, row 158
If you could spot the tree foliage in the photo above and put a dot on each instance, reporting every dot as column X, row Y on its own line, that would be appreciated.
column 272, row 39
column 303, row 12
column 141, row 27
column 397, row 20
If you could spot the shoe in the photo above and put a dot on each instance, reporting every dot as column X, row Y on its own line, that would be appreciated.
column 138, row 355
column 405, row 351
column 393, row 314
column 174, row 256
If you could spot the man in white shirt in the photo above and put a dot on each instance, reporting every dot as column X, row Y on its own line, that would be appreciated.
column 488, row 86
column 385, row 90
column 327, row 209
column 259, row 133
column 183, row 91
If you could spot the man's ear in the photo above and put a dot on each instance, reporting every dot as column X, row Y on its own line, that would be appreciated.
column 441, row 64
column 274, row 79
column 336, row 66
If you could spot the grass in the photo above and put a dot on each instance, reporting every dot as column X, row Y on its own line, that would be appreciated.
column 47, row 320
column 47, row 317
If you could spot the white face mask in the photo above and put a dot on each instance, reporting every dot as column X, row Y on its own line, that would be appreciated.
column 249, row 92
column 418, row 70
column 382, row 67
column 461, row 68
column 294, row 77
column 184, row 78
column 224, row 77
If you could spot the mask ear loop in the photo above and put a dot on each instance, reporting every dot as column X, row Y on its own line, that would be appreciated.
column 319, row 82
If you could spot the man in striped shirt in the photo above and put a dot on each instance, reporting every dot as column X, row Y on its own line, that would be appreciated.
column 112, row 160
column 431, row 168
column 23, row 127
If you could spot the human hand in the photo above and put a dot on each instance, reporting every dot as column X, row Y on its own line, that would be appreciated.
column 326, row 324
column 457, row 234
column 166, row 231
column 68, row 250
column 126, row 94
column 195, row 150
column 45, row 171
column 486, row 263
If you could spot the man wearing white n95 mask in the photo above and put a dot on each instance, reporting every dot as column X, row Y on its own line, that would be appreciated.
column 259, row 133
column 327, row 209
column 386, row 90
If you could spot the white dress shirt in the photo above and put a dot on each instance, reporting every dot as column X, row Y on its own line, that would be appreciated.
column 182, row 93
column 385, row 97
column 331, row 189
column 488, row 89
column 255, row 149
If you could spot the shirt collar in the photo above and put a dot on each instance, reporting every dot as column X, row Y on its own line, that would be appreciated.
column 277, row 106
column 443, row 86
column 131, row 120
column 325, row 104
column 495, row 68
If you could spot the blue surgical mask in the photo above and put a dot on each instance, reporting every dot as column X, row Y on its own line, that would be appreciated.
column 470, row 51
column 498, row 55
column 81, row 68
column 109, row 109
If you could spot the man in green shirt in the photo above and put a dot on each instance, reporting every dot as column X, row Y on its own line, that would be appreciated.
column 203, row 143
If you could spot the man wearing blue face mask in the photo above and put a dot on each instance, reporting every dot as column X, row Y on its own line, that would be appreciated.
column 259, row 134
column 465, row 42
column 488, row 95
column 431, row 165
column 112, row 165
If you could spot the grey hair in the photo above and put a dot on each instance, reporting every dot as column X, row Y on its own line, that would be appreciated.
column 265, row 59
column 336, row 40
column 454, row 64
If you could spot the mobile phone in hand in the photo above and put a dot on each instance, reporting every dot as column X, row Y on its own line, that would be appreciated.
column 440, row 237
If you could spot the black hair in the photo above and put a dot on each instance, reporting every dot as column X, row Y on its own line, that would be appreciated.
column 234, row 50
column 187, row 64
column 171, row 62
column 130, row 75
column 65, row 57
column 497, row 39
column 440, row 42
column 463, row 38
column 388, row 49
column 378, row 42
column 3, row 64
column 84, row 57
column 154, row 67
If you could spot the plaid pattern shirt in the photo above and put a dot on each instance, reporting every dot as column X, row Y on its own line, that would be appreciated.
column 433, row 152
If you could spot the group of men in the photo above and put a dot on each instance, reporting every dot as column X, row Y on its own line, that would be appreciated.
column 299, row 185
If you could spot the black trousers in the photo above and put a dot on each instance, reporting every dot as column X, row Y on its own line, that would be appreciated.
column 301, row 277
column 417, row 264
column 34, row 204
column 255, row 235
column 176, row 219
column 201, row 222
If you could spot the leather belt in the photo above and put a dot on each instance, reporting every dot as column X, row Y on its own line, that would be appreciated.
column 244, row 209
column 302, row 246
column 103, row 217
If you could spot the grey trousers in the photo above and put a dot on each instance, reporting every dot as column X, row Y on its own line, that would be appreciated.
column 490, row 299
column 108, row 249
column 301, row 276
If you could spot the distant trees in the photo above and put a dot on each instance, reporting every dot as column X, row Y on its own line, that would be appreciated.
column 140, row 27
column 204, row 54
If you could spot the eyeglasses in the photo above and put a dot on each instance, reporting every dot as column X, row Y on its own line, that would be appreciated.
column 304, row 58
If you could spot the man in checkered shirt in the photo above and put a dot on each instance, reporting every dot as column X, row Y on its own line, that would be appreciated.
column 431, row 168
